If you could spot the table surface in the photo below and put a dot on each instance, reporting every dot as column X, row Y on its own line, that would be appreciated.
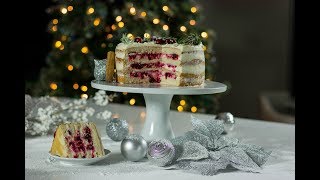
column 278, row 137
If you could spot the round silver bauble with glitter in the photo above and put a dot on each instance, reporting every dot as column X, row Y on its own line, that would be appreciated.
column 100, row 69
column 160, row 152
column 228, row 120
column 117, row 129
column 134, row 147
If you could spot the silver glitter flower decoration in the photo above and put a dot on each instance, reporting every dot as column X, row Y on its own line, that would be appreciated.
column 205, row 150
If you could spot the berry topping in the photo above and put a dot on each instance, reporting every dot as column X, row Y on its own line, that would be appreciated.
column 138, row 39
column 160, row 41
column 153, row 38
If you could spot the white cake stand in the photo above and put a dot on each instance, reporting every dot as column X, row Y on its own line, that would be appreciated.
column 158, row 99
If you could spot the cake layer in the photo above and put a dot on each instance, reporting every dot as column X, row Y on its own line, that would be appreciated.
column 77, row 140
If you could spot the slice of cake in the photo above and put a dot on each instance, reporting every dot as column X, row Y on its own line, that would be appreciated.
column 77, row 140
column 160, row 60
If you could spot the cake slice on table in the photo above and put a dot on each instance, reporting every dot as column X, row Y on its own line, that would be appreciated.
column 77, row 140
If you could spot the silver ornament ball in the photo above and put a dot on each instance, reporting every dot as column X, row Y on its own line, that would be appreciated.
column 134, row 147
column 161, row 152
column 117, row 129
column 228, row 120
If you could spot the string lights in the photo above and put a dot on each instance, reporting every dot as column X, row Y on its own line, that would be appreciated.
column 143, row 14
column 146, row 35
column 57, row 44
column 132, row 101
column 130, row 36
column 84, row 88
column 204, row 34
column 118, row 18
column 90, row 10
column 183, row 29
column 109, row 36
column 64, row 10
column 165, row 8
column 192, row 22
column 96, row 21
column 165, row 27
column 194, row 109
column 132, row 11
column 193, row 9
column 156, row 21
column 113, row 27
column 70, row 67
column 84, row 50
column 182, row 102
column 120, row 24
column 204, row 48
column 54, row 28
column 75, row 86
column 84, row 96
column 55, row 21
column 53, row 86
column 180, row 108
column 70, row 8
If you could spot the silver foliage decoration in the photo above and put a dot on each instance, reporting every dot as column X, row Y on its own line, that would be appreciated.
column 205, row 150
column 43, row 114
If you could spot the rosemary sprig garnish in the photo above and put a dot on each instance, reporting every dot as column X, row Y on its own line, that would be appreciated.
column 191, row 39
column 125, row 39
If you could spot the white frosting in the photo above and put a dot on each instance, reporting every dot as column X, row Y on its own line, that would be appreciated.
column 193, row 69
column 185, row 57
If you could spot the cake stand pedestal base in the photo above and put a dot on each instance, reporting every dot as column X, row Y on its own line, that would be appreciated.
column 157, row 124
column 158, row 98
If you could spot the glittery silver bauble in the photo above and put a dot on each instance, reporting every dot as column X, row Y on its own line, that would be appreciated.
column 117, row 129
column 134, row 147
column 161, row 152
column 100, row 69
column 228, row 120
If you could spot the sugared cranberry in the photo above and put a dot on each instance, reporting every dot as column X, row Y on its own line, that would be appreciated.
column 76, row 156
column 170, row 41
column 138, row 39
column 160, row 41
column 153, row 38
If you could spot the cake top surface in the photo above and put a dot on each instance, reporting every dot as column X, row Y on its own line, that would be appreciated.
column 191, row 41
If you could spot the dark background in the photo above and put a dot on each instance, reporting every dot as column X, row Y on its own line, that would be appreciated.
column 253, row 48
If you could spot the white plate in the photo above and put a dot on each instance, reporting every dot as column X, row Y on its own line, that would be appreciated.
column 77, row 161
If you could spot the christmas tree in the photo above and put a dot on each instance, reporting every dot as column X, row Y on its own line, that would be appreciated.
column 87, row 30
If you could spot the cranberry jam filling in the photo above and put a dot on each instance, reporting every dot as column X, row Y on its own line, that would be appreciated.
column 80, row 143
column 151, row 65
column 153, row 76
column 151, row 56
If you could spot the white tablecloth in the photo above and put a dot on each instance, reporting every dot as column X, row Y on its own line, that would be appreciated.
column 278, row 137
